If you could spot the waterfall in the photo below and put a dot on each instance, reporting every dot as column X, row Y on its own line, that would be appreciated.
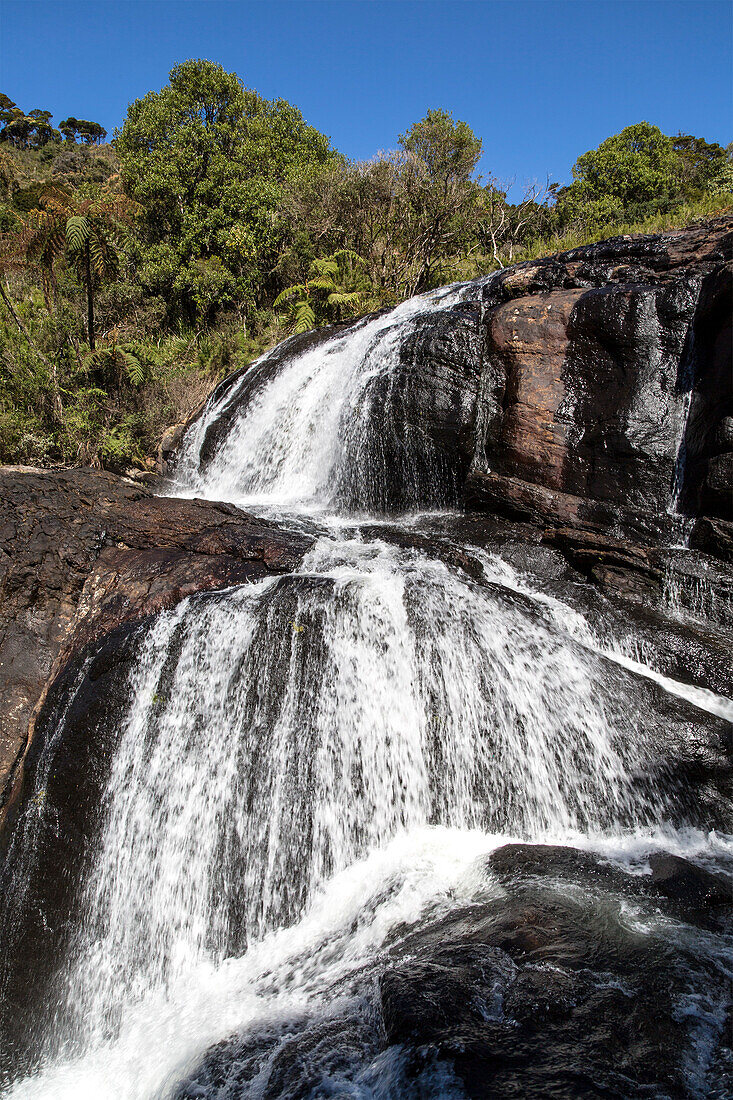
column 309, row 764
column 373, row 692
column 329, row 429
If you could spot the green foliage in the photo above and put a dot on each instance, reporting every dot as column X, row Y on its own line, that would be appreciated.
column 448, row 150
column 34, row 130
column 639, row 173
column 206, row 159
column 135, row 277
column 327, row 293
column 115, row 359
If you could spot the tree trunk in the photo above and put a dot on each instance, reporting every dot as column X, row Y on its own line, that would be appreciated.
column 90, row 296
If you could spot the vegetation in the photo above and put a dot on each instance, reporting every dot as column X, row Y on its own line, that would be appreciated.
column 134, row 274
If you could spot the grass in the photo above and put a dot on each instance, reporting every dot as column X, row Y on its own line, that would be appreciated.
column 681, row 217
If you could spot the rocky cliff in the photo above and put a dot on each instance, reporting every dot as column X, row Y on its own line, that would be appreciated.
column 587, row 397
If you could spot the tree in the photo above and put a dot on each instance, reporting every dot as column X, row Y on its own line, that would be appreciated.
column 7, row 106
column 703, row 166
column 448, row 150
column 437, row 192
column 86, row 232
column 638, row 172
column 207, row 159
column 69, row 127
column 43, row 131
column 503, row 226
column 25, row 131
column 629, row 174
column 91, row 133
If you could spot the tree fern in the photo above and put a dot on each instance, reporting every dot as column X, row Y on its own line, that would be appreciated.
column 323, row 296
column 349, row 254
column 323, row 283
column 288, row 293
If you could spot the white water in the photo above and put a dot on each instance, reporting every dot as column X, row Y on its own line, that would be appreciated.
column 310, row 764
column 310, row 437
column 620, row 651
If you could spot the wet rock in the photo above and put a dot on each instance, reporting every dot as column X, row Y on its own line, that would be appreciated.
column 690, row 888
column 566, row 976
column 568, row 985
column 519, row 500
column 718, row 488
column 724, row 434
column 82, row 551
column 417, row 441
column 685, row 883
column 623, row 566
column 595, row 383
column 558, row 861
column 34, row 904
column 714, row 536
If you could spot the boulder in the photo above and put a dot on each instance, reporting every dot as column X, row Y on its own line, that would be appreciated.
column 567, row 985
column 564, row 975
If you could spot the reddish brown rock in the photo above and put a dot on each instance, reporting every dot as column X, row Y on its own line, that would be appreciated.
column 607, row 372
column 530, row 337
column 82, row 551
column 521, row 500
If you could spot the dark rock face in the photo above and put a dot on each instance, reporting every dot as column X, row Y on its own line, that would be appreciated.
column 34, row 914
column 89, row 559
column 82, row 552
column 611, row 371
column 592, row 390
column 570, row 983
column 418, row 443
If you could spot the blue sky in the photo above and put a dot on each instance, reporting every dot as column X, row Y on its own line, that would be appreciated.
column 539, row 81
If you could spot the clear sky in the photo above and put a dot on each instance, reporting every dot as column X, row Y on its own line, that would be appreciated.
column 540, row 81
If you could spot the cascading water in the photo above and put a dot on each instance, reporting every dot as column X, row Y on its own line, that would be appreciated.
column 329, row 430
column 311, row 764
column 400, row 695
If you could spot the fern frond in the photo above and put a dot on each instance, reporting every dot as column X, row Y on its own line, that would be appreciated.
column 325, row 283
column 326, row 266
column 104, row 256
column 305, row 318
column 284, row 295
column 77, row 232
column 345, row 298
column 348, row 254
column 136, row 371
